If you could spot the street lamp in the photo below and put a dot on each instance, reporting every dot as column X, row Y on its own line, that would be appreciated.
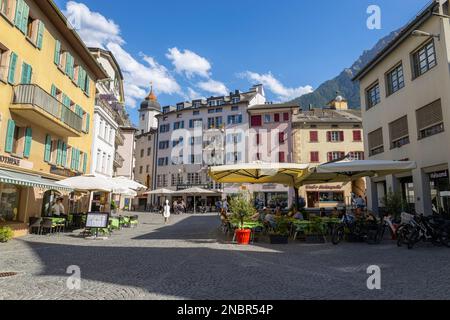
column 420, row 33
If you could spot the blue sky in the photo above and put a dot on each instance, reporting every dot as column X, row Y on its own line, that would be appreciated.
column 199, row 48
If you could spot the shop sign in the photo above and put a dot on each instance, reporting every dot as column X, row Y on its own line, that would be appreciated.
column 324, row 187
column 439, row 175
column 10, row 161
column 63, row 172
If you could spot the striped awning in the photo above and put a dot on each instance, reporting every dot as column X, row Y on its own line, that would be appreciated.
column 29, row 180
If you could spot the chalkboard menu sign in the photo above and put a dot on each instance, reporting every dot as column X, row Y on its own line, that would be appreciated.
column 97, row 220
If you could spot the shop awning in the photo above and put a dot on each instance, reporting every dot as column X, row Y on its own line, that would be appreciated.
column 30, row 180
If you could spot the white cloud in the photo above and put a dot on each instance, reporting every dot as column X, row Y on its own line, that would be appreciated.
column 275, row 86
column 214, row 87
column 98, row 31
column 189, row 63
column 94, row 28
column 193, row 95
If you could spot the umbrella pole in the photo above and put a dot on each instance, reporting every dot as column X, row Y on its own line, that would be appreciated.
column 194, row 205
column 297, row 198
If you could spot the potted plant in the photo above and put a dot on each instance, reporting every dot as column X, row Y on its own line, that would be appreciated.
column 316, row 231
column 394, row 204
column 242, row 210
column 6, row 234
column 280, row 235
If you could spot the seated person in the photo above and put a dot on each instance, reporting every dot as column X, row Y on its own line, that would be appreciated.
column 335, row 213
column 270, row 220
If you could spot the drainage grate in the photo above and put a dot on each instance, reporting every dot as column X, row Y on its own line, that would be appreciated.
column 7, row 274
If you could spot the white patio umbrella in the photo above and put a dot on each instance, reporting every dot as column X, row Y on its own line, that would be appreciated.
column 195, row 192
column 130, row 184
column 351, row 170
column 160, row 192
column 90, row 183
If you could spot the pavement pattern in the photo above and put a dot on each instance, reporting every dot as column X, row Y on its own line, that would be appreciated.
column 189, row 258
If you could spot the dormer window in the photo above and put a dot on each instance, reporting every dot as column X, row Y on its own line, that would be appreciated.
column 180, row 107
column 235, row 100
column 196, row 104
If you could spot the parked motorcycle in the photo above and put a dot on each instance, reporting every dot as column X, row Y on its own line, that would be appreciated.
column 370, row 230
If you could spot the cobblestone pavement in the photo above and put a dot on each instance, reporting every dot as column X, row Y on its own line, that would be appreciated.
column 190, row 259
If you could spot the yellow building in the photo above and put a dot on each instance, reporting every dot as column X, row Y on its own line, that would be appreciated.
column 324, row 135
column 47, row 96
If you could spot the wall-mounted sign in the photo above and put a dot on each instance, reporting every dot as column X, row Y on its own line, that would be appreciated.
column 439, row 175
column 63, row 172
column 324, row 187
column 10, row 161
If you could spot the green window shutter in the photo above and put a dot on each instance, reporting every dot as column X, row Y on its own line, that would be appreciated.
column 72, row 159
column 10, row 136
column 68, row 58
column 26, row 73
column 88, row 122
column 28, row 141
column 40, row 35
column 80, row 76
column 88, row 86
column 53, row 91
column 64, row 154
column 12, row 68
column 48, row 148
column 59, row 153
column 84, row 162
column 66, row 101
column 18, row 15
column 57, row 52
column 25, row 14
column 77, row 165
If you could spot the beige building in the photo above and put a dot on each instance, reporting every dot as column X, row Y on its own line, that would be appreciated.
column 324, row 135
column 405, row 102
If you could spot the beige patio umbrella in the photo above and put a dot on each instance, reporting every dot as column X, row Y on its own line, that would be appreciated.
column 160, row 192
column 195, row 191
column 290, row 174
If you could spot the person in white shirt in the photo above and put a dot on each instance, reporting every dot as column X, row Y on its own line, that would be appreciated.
column 58, row 208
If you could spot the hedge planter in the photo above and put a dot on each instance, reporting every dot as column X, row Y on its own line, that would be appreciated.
column 243, row 236
column 277, row 239
column 6, row 234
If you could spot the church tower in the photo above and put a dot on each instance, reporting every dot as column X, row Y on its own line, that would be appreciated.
column 148, row 111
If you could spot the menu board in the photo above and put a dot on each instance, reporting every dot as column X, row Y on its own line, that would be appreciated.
column 97, row 220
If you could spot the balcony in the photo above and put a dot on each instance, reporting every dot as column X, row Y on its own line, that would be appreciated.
column 120, row 138
column 34, row 104
column 118, row 160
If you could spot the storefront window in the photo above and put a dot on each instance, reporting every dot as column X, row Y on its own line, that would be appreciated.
column 9, row 202
column 408, row 194
column 440, row 192
column 326, row 198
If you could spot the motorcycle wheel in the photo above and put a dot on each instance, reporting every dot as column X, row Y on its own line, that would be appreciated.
column 413, row 239
column 401, row 236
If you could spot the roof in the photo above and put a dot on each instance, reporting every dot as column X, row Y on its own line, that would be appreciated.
column 318, row 116
column 111, row 55
column 273, row 106
column 423, row 15
column 61, row 23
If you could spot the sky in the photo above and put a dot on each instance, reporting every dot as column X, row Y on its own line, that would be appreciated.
column 200, row 48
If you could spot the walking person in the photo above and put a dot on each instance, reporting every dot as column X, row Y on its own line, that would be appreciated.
column 166, row 212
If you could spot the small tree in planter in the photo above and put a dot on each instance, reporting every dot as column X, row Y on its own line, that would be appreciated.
column 280, row 235
column 242, row 210
column 6, row 234
column 394, row 204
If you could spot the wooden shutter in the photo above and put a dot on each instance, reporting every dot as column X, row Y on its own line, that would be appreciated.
column 25, row 14
column 40, row 35
column 314, row 156
column 313, row 136
column 69, row 65
column 84, row 162
column 277, row 117
column 27, row 143
column 12, row 68
column 48, row 148
column 375, row 139
column 429, row 115
column 59, row 153
column 18, row 14
column 256, row 121
column 57, row 52
column 329, row 136
column 399, row 129
column 341, row 136
column 10, row 136
column 258, row 139
column 357, row 135
column 281, row 137
column 281, row 157
column 286, row 116
column 330, row 156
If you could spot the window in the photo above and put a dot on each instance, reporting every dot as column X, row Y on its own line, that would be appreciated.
column 398, row 131
column 376, row 145
column 195, row 113
column 235, row 100
column 211, row 111
column 179, row 116
column 267, row 118
column 27, row 71
column 99, row 163
column 423, row 59
column 219, row 110
column 9, row 202
column 430, row 120
column 285, row 116
column 196, row 104
column 335, row 136
column 178, row 125
column 141, row 169
column 276, row 117
column 163, row 161
column 313, row 136
column 18, row 139
column 281, row 137
column 142, row 153
column 3, row 63
column 235, row 119
column 314, row 156
column 256, row 121
column 235, row 108
column 357, row 136
column 35, row 31
column 373, row 96
column 180, row 106
column 143, row 117
column 281, row 157
column 395, row 80
column 5, row 8
column 149, row 151
column 356, row 155
column 163, row 145
column 147, row 169
column 336, row 155
column 195, row 123
column 164, row 128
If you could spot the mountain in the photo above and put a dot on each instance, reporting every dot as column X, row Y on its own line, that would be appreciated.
column 343, row 82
